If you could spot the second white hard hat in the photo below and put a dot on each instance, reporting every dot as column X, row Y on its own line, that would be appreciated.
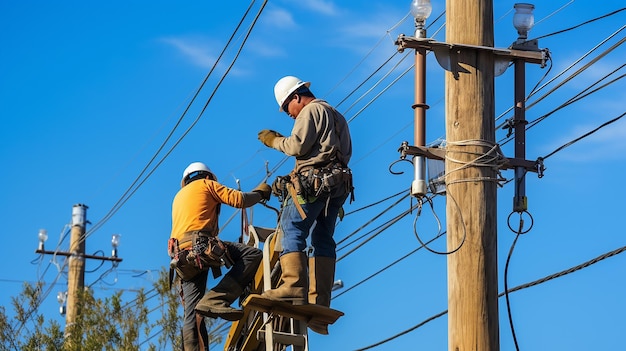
column 194, row 168
column 285, row 87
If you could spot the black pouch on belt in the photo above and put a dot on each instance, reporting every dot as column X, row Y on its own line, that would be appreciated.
column 212, row 253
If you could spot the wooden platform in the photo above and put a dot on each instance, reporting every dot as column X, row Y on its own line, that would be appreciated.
column 308, row 313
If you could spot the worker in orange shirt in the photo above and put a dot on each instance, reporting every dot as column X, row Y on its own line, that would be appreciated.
column 195, row 250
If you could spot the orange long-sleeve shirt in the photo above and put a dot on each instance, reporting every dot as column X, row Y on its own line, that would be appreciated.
column 195, row 207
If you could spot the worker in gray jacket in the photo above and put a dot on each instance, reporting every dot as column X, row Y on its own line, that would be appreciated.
column 321, row 181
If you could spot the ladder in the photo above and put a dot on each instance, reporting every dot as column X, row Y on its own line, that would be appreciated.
column 273, row 325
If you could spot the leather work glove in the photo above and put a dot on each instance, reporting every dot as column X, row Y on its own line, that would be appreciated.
column 267, row 137
column 279, row 185
column 264, row 190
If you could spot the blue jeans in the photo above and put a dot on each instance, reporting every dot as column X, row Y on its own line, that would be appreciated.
column 296, row 230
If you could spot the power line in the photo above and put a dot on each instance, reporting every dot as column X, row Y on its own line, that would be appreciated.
column 363, row 60
column 573, row 64
column 596, row 90
column 581, row 24
column 377, row 231
column 376, row 203
column 517, row 288
column 134, row 183
column 128, row 193
column 553, row 13
column 571, row 77
column 578, row 97
column 584, row 135
column 367, row 223
column 570, row 101
column 388, row 266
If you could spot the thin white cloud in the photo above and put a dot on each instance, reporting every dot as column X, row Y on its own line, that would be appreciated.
column 265, row 50
column 376, row 23
column 200, row 52
column 279, row 18
column 608, row 143
column 197, row 51
column 320, row 6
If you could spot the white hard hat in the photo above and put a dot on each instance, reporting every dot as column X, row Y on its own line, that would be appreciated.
column 285, row 87
column 194, row 168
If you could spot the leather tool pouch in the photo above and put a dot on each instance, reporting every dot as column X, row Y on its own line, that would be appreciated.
column 206, row 252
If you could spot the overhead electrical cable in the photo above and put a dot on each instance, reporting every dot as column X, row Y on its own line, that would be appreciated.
column 284, row 159
column 380, row 81
column 377, row 231
column 366, row 80
column 534, row 91
column 553, row 13
column 584, row 136
column 366, row 93
column 368, row 223
column 582, row 69
column 380, row 93
column 579, row 96
column 387, row 33
column 601, row 55
column 584, row 93
column 581, row 24
column 130, row 193
column 343, row 291
column 375, row 203
column 514, row 289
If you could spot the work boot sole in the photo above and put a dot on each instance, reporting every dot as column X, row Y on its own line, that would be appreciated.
column 229, row 314
column 297, row 301
column 275, row 295
column 319, row 328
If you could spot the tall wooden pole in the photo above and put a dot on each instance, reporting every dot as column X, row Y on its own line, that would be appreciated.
column 76, row 273
column 471, row 192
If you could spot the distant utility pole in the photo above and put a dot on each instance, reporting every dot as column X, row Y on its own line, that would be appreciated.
column 77, row 256
column 471, row 190
column 76, row 273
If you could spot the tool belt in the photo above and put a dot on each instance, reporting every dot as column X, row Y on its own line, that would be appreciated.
column 331, row 179
column 309, row 184
column 206, row 252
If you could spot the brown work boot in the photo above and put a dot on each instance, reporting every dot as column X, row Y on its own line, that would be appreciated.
column 216, row 302
column 321, row 279
column 293, row 280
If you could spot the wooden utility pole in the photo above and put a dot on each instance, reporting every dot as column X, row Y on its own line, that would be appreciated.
column 471, row 190
column 76, row 273
column 76, row 267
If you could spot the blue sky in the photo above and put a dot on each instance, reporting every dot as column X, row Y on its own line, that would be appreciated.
column 90, row 90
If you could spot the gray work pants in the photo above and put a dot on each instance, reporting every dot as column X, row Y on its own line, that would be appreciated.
column 246, row 261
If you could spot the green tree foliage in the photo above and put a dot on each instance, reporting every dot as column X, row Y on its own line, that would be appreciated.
column 110, row 323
